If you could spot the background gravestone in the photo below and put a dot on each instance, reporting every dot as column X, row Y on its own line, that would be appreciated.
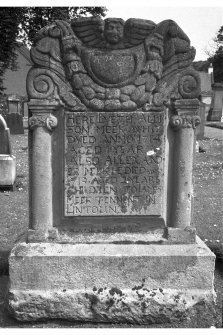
column 7, row 160
column 216, row 110
column 113, row 111
column 200, row 128
column 5, row 147
column 14, row 117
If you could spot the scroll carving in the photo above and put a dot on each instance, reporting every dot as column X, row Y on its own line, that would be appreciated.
column 112, row 64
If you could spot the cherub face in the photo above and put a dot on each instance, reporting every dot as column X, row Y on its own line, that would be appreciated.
column 113, row 32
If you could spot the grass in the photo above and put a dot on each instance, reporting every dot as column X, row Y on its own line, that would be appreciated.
column 208, row 201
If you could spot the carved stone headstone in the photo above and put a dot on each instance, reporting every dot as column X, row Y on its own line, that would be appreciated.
column 7, row 160
column 113, row 111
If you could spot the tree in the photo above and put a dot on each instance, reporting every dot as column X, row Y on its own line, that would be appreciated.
column 9, row 21
column 20, row 25
column 217, row 57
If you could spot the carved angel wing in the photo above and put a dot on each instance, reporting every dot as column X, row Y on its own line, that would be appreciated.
column 136, row 30
column 89, row 30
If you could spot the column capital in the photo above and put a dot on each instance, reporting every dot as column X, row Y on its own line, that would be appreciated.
column 186, row 114
column 46, row 120
column 43, row 105
column 186, row 106
column 41, row 110
column 184, row 121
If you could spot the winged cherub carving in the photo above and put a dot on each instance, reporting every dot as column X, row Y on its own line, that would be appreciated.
column 116, row 65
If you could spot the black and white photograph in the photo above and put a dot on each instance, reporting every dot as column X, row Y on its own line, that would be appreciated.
column 111, row 165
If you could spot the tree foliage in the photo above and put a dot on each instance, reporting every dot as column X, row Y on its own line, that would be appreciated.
column 9, row 22
column 20, row 25
column 217, row 58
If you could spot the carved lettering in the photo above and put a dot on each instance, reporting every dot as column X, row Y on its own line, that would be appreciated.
column 113, row 163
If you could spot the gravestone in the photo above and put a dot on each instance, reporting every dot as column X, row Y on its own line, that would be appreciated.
column 113, row 110
column 7, row 160
column 216, row 110
column 200, row 128
column 14, row 117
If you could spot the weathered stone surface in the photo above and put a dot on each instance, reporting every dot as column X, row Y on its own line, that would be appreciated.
column 100, row 96
column 113, row 105
column 141, row 80
column 112, row 93
column 129, row 105
column 150, row 83
column 142, row 306
column 111, row 283
column 113, row 164
column 107, row 177
column 77, row 82
column 156, row 68
column 97, row 104
column 181, row 235
column 124, row 97
column 128, row 89
column 134, row 53
column 89, row 93
column 137, row 94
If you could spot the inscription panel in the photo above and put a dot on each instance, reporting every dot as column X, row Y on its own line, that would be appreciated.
column 113, row 163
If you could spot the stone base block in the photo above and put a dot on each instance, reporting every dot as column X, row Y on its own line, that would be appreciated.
column 142, row 284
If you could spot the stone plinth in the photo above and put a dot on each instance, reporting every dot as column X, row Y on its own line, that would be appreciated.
column 145, row 284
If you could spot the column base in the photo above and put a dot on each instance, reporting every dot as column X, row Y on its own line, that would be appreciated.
column 140, row 284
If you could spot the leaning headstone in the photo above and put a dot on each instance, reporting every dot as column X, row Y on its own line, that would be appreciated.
column 7, row 160
column 113, row 110
column 14, row 117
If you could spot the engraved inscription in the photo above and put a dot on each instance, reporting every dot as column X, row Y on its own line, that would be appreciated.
column 113, row 163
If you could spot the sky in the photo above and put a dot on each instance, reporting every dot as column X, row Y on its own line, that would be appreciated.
column 200, row 20
column 199, row 23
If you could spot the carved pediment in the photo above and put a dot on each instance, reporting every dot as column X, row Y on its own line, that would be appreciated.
column 113, row 65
